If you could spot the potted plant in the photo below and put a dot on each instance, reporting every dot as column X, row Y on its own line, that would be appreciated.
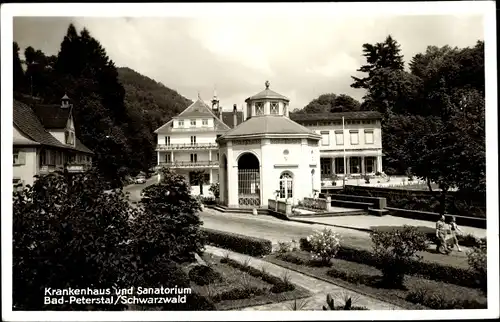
column 367, row 179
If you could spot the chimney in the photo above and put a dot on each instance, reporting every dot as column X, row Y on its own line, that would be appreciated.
column 65, row 101
column 235, row 116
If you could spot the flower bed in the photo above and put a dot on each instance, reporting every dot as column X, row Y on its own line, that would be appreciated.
column 419, row 293
column 235, row 285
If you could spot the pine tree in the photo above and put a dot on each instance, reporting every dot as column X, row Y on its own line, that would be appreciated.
column 381, row 55
column 19, row 77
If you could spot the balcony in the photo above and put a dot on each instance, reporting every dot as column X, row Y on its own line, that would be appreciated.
column 74, row 167
column 189, row 164
column 187, row 146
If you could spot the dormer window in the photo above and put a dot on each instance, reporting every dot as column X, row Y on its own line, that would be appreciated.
column 274, row 108
column 69, row 137
column 259, row 108
column 181, row 123
column 193, row 122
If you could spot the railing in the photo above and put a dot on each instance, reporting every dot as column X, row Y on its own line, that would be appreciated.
column 186, row 146
column 315, row 203
column 71, row 167
column 189, row 164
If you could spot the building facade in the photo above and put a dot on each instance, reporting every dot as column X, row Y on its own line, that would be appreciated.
column 44, row 141
column 268, row 156
column 187, row 143
column 353, row 136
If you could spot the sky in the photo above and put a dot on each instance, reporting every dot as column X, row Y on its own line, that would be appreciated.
column 301, row 56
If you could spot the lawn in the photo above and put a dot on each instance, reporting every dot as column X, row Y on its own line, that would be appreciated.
column 238, row 285
column 418, row 293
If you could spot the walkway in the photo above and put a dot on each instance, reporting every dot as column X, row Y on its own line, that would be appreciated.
column 367, row 222
column 318, row 288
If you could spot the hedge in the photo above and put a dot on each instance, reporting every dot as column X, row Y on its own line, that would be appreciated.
column 433, row 271
column 239, row 243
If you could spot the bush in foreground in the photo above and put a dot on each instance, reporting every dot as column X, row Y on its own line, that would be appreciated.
column 477, row 259
column 238, row 243
column 396, row 251
column 324, row 245
column 68, row 233
column 204, row 275
column 168, row 224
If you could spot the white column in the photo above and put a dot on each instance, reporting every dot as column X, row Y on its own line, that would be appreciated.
column 158, row 159
column 333, row 171
column 171, row 156
column 379, row 163
column 211, row 176
column 362, row 165
column 210, row 156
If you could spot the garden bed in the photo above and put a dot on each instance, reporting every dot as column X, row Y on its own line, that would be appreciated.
column 235, row 286
column 419, row 293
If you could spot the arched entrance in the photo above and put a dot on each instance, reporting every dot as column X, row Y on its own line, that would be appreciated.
column 286, row 185
column 248, row 181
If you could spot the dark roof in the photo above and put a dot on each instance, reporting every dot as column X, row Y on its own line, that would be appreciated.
column 228, row 118
column 268, row 124
column 360, row 115
column 25, row 119
column 267, row 94
column 197, row 109
column 52, row 116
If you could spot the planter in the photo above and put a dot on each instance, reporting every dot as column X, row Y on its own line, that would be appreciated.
column 254, row 212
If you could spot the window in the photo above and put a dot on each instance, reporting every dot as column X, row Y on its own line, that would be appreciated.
column 217, row 156
column 286, row 186
column 181, row 123
column 369, row 136
column 339, row 165
column 69, row 137
column 59, row 158
column 204, row 122
column 194, row 157
column 50, row 157
column 285, row 106
column 193, row 140
column 193, row 122
column 355, row 165
column 249, row 110
column 354, row 137
column 206, row 178
column 168, row 158
column 326, row 167
column 167, row 140
column 369, row 164
column 19, row 157
column 325, row 138
column 274, row 107
column 259, row 108
column 339, row 137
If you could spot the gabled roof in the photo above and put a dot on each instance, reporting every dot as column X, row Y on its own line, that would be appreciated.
column 197, row 109
column 52, row 116
column 358, row 115
column 228, row 118
column 27, row 122
column 268, row 124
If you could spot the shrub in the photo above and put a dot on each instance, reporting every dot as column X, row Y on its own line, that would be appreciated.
column 68, row 233
column 324, row 245
column 239, row 243
column 283, row 285
column 284, row 247
column 396, row 251
column 203, row 275
column 215, row 189
column 346, row 307
column 305, row 245
column 168, row 223
column 478, row 263
column 207, row 200
column 439, row 300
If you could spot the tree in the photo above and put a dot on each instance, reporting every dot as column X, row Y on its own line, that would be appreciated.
column 380, row 55
column 169, row 226
column 198, row 178
column 19, row 77
column 69, row 234
column 330, row 103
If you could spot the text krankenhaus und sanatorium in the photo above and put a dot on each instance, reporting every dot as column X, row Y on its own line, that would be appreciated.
column 115, row 291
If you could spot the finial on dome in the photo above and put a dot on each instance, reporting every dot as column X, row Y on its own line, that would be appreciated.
column 267, row 84
column 199, row 97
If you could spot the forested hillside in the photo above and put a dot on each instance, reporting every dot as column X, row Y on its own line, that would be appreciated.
column 116, row 110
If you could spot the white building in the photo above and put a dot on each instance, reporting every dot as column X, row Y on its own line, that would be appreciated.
column 359, row 139
column 187, row 142
column 268, row 155
column 44, row 141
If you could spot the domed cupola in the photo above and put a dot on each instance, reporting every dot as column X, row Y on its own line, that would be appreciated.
column 267, row 102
